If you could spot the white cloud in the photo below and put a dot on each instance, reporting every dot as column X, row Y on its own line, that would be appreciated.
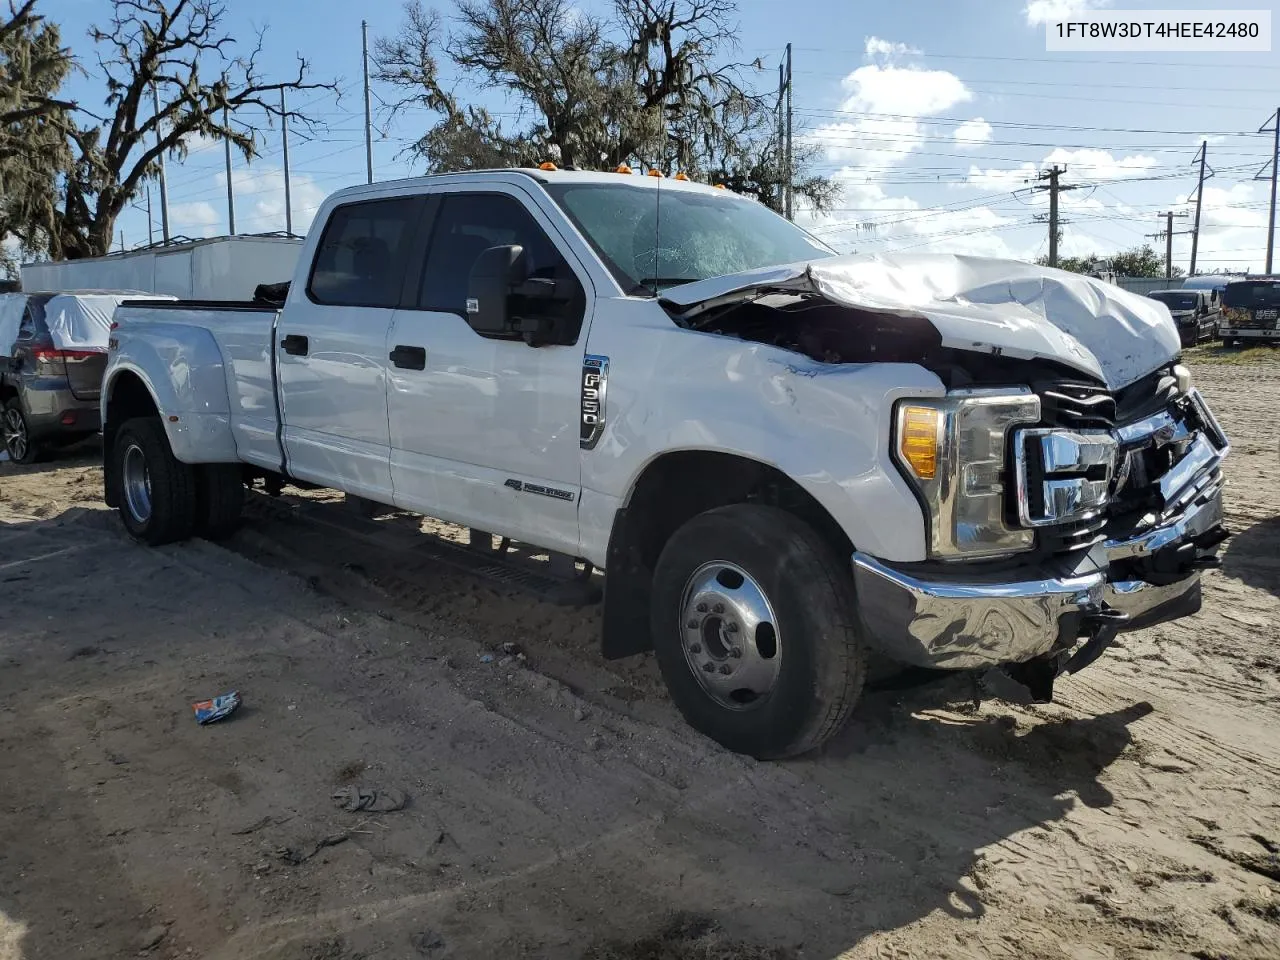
column 899, row 97
column 259, row 200
column 971, row 133
column 1095, row 165
column 197, row 219
column 892, row 223
column 1051, row 11
column 912, row 91
column 1001, row 178
column 887, row 49
column 1082, row 165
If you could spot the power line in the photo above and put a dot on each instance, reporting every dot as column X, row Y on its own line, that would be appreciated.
column 1056, row 61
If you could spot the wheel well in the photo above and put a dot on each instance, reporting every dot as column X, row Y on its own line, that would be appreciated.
column 129, row 398
column 672, row 490
column 7, row 392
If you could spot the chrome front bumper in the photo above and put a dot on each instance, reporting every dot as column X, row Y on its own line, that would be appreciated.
column 964, row 621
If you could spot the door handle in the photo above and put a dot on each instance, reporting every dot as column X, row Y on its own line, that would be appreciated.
column 295, row 345
column 409, row 358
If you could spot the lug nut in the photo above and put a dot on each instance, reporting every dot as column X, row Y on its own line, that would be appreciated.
column 693, row 624
column 695, row 648
column 731, row 627
column 718, row 608
column 709, row 667
column 726, row 669
column 701, row 608
column 736, row 653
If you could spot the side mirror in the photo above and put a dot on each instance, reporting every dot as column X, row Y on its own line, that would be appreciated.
column 493, row 276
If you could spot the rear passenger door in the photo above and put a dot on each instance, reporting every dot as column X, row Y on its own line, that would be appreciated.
column 485, row 430
column 331, row 348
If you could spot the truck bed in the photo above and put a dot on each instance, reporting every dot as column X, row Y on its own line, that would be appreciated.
column 214, row 349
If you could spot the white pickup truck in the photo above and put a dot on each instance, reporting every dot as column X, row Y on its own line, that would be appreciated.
column 781, row 458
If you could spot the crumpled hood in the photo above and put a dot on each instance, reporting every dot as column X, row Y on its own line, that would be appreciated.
column 978, row 304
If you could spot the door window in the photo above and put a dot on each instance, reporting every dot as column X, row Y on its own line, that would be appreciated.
column 360, row 259
column 470, row 223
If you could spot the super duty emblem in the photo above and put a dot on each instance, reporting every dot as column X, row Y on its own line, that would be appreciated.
column 595, row 378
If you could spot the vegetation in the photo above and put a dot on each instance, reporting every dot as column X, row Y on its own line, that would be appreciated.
column 171, row 74
column 648, row 84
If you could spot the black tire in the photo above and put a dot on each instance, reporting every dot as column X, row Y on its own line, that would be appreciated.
column 821, row 659
column 18, row 442
column 220, row 499
column 172, row 502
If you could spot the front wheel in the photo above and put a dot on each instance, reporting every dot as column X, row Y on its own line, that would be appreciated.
column 755, row 628
column 158, row 492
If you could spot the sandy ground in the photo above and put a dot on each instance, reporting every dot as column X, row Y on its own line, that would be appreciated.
column 558, row 807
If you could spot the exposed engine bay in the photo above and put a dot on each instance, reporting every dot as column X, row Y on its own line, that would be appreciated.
column 828, row 332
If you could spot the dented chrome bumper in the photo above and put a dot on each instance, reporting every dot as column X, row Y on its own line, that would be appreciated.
column 962, row 617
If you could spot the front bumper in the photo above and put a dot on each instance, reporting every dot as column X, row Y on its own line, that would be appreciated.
column 930, row 617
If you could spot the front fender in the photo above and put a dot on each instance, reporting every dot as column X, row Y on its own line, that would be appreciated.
column 826, row 426
column 182, row 369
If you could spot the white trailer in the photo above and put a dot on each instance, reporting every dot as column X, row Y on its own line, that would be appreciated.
column 221, row 268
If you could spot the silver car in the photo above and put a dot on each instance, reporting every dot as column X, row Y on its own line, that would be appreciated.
column 48, row 396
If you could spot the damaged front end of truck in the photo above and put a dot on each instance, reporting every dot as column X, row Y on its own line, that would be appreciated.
column 1070, row 478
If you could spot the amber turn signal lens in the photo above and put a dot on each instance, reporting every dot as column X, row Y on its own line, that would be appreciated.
column 918, row 440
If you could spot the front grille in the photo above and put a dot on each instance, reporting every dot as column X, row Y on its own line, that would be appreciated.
column 1077, row 406
column 1151, row 429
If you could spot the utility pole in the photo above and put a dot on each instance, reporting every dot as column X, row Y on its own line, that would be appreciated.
column 1168, row 235
column 151, row 238
column 1054, row 188
column 284, row 136
column 782, row 138
column 368, row 123
column 1195, row 230
column 791, row 177
column 164, row 193
column 1274, row 123
column 231, row 195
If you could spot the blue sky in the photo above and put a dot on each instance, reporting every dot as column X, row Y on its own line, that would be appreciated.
column 931, row 113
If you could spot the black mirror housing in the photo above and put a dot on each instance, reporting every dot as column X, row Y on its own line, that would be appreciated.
column 493, row 276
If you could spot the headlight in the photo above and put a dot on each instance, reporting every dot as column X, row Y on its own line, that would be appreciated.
column 953, row 451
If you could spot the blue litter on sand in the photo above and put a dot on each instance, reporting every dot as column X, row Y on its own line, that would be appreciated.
column 208, row 711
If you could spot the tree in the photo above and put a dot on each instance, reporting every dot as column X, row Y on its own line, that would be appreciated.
column 646, row 85
column 33, row 122
column 178, row 49
column 1141, row 261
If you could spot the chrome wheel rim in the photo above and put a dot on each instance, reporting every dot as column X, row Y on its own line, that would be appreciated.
column 15, row 435
column 730, row 635
column 135, row 478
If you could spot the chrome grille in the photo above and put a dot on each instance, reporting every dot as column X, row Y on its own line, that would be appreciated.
column 1076, row 486
column 1062, row 475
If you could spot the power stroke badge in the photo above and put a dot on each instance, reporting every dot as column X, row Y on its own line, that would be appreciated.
column 595, row 378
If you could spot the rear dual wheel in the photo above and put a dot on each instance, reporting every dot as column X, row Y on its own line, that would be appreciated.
column 163, row 500
column 755, row 628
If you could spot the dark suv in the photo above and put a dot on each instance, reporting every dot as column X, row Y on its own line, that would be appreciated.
column 49, row 396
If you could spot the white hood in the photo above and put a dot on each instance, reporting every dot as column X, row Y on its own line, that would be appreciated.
column 978, row 304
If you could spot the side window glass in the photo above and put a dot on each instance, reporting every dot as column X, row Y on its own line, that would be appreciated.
column 470, row 223
column 31, row 317
column 356, row 263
